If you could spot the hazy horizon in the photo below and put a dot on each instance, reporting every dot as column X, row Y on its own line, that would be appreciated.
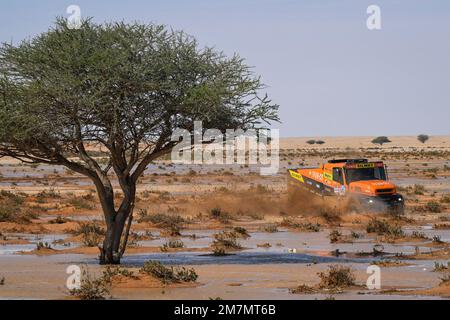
column 329, row 73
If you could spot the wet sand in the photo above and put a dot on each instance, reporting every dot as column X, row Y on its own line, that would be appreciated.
column 269, row 263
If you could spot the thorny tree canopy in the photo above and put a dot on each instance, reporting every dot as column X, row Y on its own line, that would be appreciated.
column 124, row 87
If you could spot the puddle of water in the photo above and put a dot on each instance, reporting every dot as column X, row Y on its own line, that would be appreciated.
column 243, row 257
column 8, row 249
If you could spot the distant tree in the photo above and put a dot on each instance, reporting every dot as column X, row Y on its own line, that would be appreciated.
column 381, row 140
column 320, row 142
column 423, row 138
column 124, row 88
column 311, row 141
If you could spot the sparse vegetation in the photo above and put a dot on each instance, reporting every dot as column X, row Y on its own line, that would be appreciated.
column 80, row 203
column 419, row 189
column 445, row 198
column 269, row 228
column 111, row 271
column 173, row 244
column 241, row 232
column 445, row 280
column 43, row 245
column 172, row 224
column 59, row 220
column 91, row 288
column 91, row 233
column 433, row 206
column 383, row 227
column 334, row 236
column 169, row 274
column 11, row 208
column 439, row 267
column 337, row 276
column 226, row 240
column 303, row 289
column 219, row 214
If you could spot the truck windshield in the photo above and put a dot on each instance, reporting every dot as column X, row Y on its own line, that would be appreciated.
column 360, row 174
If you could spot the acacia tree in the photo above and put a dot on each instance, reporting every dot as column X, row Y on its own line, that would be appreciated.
column 121, row 88
column 381, row 140
column 423, row 138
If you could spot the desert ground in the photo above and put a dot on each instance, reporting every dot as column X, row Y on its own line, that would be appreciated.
column 226, row 232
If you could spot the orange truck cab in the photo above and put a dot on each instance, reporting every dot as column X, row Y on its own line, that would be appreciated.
column 363, row 180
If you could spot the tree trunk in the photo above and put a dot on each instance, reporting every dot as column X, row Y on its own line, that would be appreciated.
column 111, row 252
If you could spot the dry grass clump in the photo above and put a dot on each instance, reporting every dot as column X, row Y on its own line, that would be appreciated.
column 112, row 271
column 83, row 202
column 383, row 227
column 91, row 233
column 303, row 289
column 225, row 240
column 336, row 277
column 335, row 236
column 173, row 244
column 92, row 288
column 220, row 215
column 289, row 222
column 445, row 280
column 170, row 223
column 169, row 274
column 59, row 220
column 445, row 198
column 11, row 208
column 433, row 206
column 440, row 267
column 241, row 232
column 270, row 228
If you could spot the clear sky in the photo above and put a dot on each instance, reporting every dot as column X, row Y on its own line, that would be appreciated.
column 329, row 73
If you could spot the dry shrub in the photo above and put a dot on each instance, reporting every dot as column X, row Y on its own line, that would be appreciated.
column 11, row 208
column 303, row 289
column 336, row 277
column 226, row 240
column 171, row 224
column 91, row 288
column 91, row 233
column 383, row 227
column 169, row 274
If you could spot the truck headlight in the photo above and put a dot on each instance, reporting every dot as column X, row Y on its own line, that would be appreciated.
column 370, row 201
column 400, row 199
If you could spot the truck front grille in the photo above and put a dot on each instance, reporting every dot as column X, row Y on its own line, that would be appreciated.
column 386, row 190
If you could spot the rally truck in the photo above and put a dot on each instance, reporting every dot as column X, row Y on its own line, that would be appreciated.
column 365, row 181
